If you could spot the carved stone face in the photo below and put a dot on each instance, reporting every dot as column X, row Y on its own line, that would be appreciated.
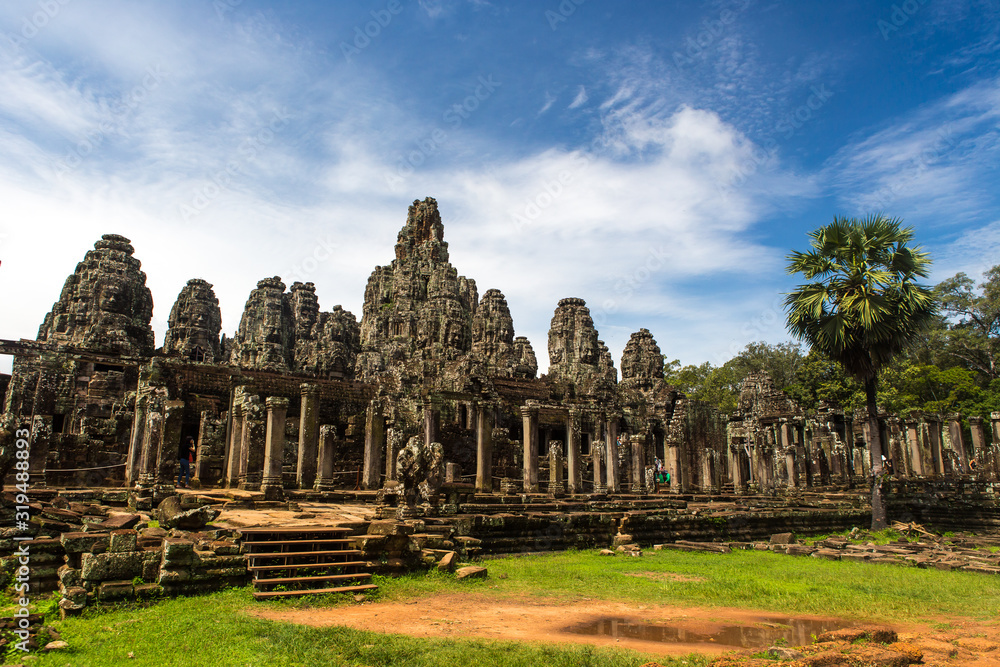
column 113, row 298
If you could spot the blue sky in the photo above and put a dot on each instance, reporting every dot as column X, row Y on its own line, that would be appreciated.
column 658, row 159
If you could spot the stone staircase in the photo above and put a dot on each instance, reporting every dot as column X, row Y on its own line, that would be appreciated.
column 287, row 562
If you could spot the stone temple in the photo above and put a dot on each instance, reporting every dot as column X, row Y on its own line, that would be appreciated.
column 300, row 400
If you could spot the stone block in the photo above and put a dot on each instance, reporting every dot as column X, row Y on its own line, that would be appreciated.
column 173, row 577
column 122, row 541
column 178, row 551
column 115, row 590
column 119, row 521
column 783, row 538
column 70, row 577
column 471, row 572
column 448, row 562
column 389, row 527
column 101, row 567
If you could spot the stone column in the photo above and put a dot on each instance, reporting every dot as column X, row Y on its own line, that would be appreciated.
column 995, row 445
column 913, row 445
column 134, row 462
column 173, row 416
column 252, row 446
column 707, row 472
column 38, row 451
column 529, row 419
column 374, row 446
column 327, row 450
column 432, row 422
column 934, row 438
column 611, row 439
column 556, row 484
column 200, row 472
column 393, row 443
column 598, row 452
column 305, row 470
column 735, row 468
column 484, row 450
column 152, row 434
column 955, row 436
column 638, row 464
column 673, row 463
column 272, row 483
column 978, row 439
column 573, row 451
column 234, row 448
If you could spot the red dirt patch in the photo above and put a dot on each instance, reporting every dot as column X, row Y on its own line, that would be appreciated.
column 475, row 614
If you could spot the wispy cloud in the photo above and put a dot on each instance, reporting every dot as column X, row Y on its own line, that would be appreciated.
column 580, row 99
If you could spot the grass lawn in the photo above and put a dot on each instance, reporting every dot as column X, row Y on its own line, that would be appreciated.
column 210, row 629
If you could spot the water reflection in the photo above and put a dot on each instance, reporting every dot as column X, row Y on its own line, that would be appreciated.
column 767, row 631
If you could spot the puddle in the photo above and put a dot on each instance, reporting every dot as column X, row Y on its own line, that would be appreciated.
column 767, row 631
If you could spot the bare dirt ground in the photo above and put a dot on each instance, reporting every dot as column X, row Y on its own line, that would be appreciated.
column 964, row 642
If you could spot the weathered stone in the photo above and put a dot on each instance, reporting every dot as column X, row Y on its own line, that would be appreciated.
column 115, row 590
column 119, row 521
column 101, row 567
column 576, row 356
column 471, row 572
column 122, row 541
column 105, row 305
column 448, row 562
column 89, row 542
column 194, row 324
column 783, row 538
column 642, row 362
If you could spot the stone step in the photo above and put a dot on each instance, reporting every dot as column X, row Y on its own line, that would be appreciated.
column 308, row 566
column 312, row 579
column 294, row 543
column 264, row 595
column 299, row 554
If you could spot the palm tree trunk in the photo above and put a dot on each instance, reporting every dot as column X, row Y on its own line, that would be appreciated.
column 879, row 521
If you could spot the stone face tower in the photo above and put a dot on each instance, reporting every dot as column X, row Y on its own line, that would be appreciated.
column 575, row 354
column 642, row 361
column 105, row 305
column 267, row 329
column 493, row 339
column 417, row 307
column 195, row 322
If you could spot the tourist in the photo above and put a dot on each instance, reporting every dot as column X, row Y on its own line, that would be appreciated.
column 185, row 456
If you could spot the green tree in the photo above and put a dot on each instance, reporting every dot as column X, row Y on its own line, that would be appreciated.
column 862, row 307
column 974, row 335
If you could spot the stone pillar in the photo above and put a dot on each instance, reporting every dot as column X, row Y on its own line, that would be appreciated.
column 173, row 416
column 38, row 451
column 272, row 483
column 735, row 468
column 393, row 443
column 327, row 450
column 374, row 446
column 252, row 446
column 200, row 471
column 598, row 452
column 573, row 452
column 707, row 472
column 611, row 439
column 913, row 445
column 673, row 463
column 556, row 484
column 638, row 464
column 978, row 438
column 234, row 447
column 305, row 470
column 529, row 419
column 793, row 477
column 955, row 436
column 934, row 437
column 432, row 422
column 134, row 462
column 152, row 434
column 484, row 450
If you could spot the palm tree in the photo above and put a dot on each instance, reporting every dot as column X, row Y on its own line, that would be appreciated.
column 862, row 307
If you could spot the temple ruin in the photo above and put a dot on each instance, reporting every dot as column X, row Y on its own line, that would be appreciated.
column 431, row 407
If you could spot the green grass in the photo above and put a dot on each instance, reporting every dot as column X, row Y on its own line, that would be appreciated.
column 761, row 580
column 211, row 630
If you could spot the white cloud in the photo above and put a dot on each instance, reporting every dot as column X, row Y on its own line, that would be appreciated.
column 580, row 99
